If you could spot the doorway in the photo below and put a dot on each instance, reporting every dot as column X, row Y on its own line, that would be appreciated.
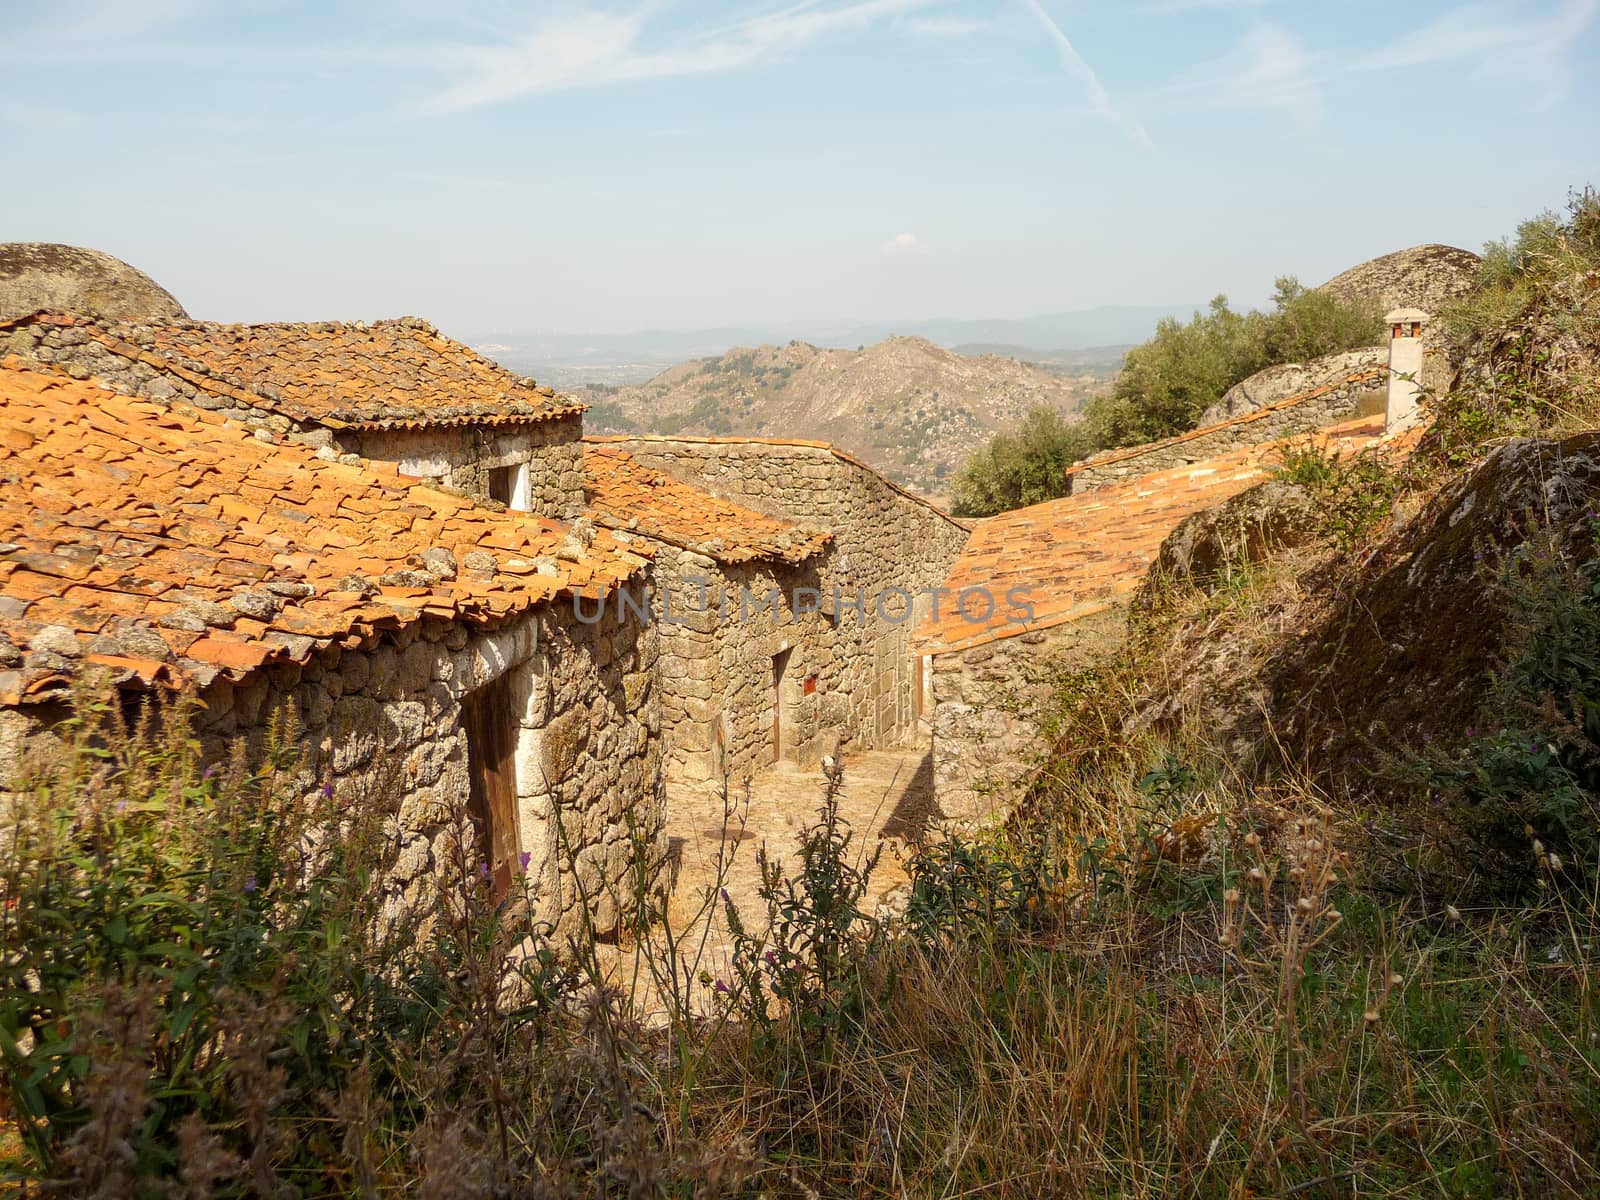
column 509, row 485
column 780, row 668
column 491, row 725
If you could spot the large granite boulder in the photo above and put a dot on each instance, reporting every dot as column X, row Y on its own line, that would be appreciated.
column 45, row 275
column 1404, row 656
column 1425, row 277
column 1245, row 529
column 1292, row 379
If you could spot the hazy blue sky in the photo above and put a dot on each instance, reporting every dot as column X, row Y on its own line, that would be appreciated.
column 643, row 163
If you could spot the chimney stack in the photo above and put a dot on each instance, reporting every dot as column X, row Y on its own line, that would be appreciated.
column 1405, row 368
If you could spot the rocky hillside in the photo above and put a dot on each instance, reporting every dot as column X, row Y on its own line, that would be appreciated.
column 905, row 405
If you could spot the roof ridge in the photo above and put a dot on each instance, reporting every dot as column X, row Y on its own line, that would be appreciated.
column 656, row 515
column 1121, row 454
column 799, row 443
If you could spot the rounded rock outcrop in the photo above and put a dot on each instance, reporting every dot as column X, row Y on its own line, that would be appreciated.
column 1425, row 277
column 1292, row 379
column 1245, row 529
column 37, row 276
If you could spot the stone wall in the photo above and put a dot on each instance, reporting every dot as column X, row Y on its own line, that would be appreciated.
column 461, row 457
column 889, row 548
column 1326, row 406
column 987, row 744
column 382, row 724
column 726, row 713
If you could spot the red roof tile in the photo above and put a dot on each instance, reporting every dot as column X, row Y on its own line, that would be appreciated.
column 626, row 494
column 121, row 517
column 386, row 374
column 1082, row 554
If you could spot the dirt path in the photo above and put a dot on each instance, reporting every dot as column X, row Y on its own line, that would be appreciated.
column 887, row 796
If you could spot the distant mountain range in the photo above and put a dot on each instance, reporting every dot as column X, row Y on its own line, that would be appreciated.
column 569, row 360
column 911, row 408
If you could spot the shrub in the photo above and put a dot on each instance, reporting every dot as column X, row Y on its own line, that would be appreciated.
column 204, row 993
column 806, row 956
column 1020, row 468
column 1353, row 495
column 1519, row 793
column 1164, row 386
column 1527, row 340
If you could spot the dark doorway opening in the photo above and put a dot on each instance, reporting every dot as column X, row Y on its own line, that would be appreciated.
column 780, row 667
column 502, row 480
column 491, row 726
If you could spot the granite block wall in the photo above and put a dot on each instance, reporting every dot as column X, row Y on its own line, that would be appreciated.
column 461, row 457
column 889, row 550
column 989, row 705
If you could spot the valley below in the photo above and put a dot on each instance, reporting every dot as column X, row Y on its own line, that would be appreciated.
column 908, row 407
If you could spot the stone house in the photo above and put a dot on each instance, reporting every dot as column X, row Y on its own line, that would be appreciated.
column 1038, row 586
column 427, row 646
column 744, row 654
column 1356, row 393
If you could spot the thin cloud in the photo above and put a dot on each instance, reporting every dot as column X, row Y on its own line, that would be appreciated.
column 1178, row 6
column 1503, row 49
column 78, row 30
column 942, row 26
column 904, row 244
column 1078, row 69
column 1269, row 69
column 590, row 48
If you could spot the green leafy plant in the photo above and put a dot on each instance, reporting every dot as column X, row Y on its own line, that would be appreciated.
column 807, row 958
column 1353, row 494
column 1521, row 789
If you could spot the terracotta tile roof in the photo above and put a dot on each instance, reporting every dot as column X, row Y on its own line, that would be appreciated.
column 383, row 374
column 166, row 544
column 626, row 494
column 1082, row 554
column 799, row 443
column 1106, row 458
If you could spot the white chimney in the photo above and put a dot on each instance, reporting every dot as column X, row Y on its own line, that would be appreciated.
column 1405, row 368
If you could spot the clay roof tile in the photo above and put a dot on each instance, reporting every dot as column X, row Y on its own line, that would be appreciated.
column 385, row 374
column 625, row 494
column 1079, row 555
column 196, row 546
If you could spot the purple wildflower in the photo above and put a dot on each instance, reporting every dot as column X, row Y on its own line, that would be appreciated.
column 723, row 892
column 483, row 870
column 327, row 790
column 772, row 959
column 212, row 772
column 524, row 858
column 249, row 883
column 722, row 988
